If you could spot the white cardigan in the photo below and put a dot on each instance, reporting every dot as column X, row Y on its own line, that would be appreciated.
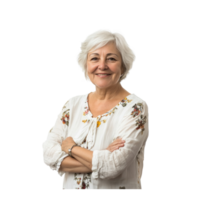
column 120, row 169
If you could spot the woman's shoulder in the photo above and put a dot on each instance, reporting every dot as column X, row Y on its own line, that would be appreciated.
column 75, row 100
column 134, row 102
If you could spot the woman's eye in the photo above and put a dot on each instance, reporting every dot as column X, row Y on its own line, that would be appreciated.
column 108, row 58
column 111, row 59
column 95, row 58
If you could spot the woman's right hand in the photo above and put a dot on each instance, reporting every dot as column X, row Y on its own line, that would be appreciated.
column 116, row 144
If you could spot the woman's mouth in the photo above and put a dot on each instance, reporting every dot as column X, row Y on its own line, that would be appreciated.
column 103, row 75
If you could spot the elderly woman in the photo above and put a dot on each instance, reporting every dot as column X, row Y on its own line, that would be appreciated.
column 99, row 138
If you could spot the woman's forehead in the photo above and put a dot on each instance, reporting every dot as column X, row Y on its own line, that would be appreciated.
column 109, row 48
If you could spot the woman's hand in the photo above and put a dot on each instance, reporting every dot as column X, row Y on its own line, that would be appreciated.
column 67, row 144
column 116, row 145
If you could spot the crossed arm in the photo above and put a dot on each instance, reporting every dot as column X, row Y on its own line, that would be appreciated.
column 78, row 164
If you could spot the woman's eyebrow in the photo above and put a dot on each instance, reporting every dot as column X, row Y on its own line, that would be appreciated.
column 107, row 54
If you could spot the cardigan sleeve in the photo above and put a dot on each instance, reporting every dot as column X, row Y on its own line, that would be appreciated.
column 52, row 152
column 134, row 130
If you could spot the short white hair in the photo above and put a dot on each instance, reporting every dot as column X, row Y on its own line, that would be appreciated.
column 100, row 39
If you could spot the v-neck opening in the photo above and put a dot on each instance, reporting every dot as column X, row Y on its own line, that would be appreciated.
column 106, row 113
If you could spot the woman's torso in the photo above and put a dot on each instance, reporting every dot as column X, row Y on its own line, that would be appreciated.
column 98, row 132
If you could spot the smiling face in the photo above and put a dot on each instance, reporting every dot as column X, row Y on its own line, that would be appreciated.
column 104, row 66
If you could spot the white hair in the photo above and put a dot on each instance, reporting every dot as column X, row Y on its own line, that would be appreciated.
column 100, row 39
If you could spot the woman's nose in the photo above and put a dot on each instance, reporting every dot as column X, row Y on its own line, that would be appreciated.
column 102, row 64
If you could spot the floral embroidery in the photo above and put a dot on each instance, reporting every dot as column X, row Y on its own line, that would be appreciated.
column 124, row 102
column 87, row 120
column 122, row 187
column 140, row 122
column 65, row 117
column 99, row 122
column 63, row 106
column 86, row 111
column 77, row 179
column 137, row 109
column 86, row 180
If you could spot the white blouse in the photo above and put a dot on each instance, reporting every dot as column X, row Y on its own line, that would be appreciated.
column 120, row 169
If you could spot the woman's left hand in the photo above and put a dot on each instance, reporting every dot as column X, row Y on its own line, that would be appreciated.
column 67, row 144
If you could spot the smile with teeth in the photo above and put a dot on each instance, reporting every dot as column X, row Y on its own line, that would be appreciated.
column 103, row 75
